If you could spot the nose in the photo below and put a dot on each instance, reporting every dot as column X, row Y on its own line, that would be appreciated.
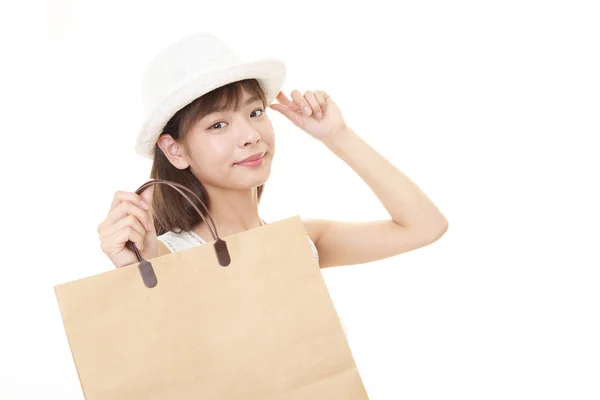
column 250, row 136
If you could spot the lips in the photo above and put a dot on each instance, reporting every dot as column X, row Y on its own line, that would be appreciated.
column 254, row 157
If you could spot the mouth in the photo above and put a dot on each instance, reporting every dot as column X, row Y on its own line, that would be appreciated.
column 257, row 158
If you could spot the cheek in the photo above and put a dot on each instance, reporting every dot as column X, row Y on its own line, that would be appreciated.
column 213, row 156
column 268, row 135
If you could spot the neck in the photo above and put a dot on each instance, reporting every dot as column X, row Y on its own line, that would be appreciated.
column 233, row 211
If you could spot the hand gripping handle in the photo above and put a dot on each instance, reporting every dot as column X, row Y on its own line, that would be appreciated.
column 145, row 267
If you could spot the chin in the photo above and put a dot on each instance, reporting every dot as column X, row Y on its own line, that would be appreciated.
column 253, row 176
column 250, row 182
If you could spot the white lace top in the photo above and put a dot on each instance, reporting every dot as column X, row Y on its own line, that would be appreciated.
column 183, row 240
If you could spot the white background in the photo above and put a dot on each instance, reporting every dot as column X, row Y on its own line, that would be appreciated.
column 491, row 108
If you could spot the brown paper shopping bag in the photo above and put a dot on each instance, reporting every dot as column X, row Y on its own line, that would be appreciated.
column 247, row 316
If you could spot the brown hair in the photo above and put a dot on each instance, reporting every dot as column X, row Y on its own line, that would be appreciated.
column 171, row 210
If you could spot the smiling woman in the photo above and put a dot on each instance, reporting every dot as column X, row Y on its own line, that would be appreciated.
column 172, row 211
column 206, row 128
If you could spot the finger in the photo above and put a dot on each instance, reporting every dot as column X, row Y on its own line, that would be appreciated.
column 292, row 115
column 127, row 208
column 130, row 220
column 121, row 195
column 320, row 95
column 291, row 105
column 310, row 97
column 147, row 194
column 127, row 233
column 283, row 99
column 301, row 102
column 116, row 243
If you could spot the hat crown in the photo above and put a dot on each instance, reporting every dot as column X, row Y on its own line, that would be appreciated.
column 171, row 69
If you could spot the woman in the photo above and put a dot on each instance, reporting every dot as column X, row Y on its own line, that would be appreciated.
column 206, row 117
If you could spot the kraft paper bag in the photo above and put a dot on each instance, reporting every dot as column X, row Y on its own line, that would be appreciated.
column 247, row 316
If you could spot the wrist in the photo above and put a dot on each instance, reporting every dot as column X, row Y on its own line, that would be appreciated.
column 338, row 137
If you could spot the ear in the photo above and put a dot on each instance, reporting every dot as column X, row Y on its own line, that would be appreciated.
column 173, row 150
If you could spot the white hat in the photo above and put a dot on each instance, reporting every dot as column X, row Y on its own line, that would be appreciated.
column 190, row 68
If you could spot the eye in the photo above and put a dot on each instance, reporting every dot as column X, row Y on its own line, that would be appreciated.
column 223, row 122
column 213, row 126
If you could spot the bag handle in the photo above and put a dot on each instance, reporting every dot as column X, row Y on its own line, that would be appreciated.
column 145, row 267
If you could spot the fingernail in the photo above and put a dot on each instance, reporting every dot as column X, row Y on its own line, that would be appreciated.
column 144, row 205
column 307, row 110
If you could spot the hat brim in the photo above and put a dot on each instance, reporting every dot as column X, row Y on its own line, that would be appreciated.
column 269, row 72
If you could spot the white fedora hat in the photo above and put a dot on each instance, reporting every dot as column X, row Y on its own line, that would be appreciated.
column 190, row 68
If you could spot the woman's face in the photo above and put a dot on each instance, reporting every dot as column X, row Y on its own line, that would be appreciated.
column 219, row 140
